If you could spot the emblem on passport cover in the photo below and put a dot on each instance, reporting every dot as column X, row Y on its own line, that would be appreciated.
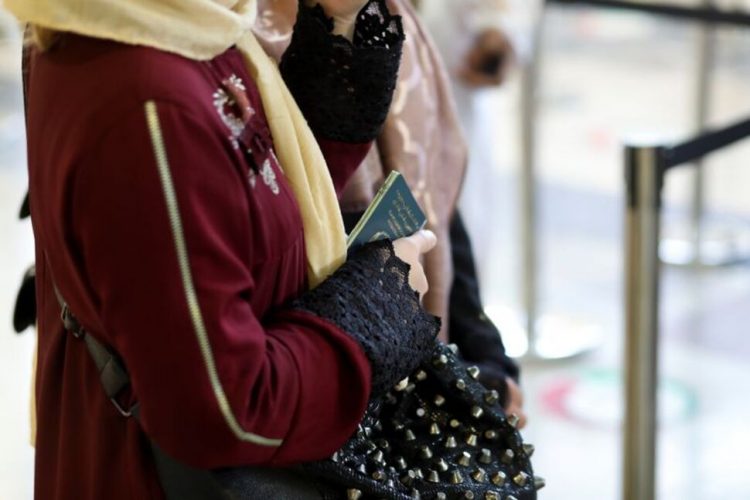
column 394, row 213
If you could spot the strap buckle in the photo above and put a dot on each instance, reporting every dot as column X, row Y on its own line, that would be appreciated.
column 123, row 412
column 70, row 323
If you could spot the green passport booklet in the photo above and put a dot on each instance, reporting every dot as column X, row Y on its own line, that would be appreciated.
column 393, row 214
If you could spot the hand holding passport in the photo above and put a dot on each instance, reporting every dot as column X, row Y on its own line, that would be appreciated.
column 394, row 214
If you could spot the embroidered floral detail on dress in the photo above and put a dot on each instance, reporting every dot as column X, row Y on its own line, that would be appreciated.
column 234, row 108
column 253, row 178
column 269, row 177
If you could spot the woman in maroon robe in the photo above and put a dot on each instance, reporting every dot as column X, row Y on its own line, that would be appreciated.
column 296, row 368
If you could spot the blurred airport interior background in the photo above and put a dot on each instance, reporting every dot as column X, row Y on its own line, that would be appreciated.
column 604, row 76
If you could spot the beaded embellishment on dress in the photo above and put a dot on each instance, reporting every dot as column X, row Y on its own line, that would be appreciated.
column 234, row 108
column 269, row 177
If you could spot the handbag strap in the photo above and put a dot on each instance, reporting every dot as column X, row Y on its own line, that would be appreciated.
column 112, row 373
column 179, row 481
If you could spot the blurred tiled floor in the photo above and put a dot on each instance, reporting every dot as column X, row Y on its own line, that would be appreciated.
column 605, row 75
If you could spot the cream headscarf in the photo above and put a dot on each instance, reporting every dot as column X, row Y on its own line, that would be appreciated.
column 201, row 30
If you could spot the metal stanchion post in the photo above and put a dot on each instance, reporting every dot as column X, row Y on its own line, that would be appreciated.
column 547, row 336
column 706, row 56
column 529, row 222
column 687, row 250
column 700, row 242
column 645, row 174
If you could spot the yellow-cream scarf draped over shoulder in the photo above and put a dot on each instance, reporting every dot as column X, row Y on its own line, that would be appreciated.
column 201, row 30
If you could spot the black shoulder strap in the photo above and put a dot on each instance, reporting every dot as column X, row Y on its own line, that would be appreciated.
column 112, row 373
column 179, row 481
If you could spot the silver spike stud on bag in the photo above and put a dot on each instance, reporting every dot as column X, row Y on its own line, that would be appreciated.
column 456, row 477
column 479, row 476
column 521, row 479
column 492, row 397
column 450, row 442
column 513, row 420
column 462, row 443
column 539, row 482
column 498, row 478
column 353, row 494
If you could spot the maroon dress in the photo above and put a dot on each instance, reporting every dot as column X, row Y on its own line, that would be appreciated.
column 104, row 236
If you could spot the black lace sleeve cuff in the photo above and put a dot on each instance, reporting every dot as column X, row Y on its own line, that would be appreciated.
column 369, row 298
column 344, row 88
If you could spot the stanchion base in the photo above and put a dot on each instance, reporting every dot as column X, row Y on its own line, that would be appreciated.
column 681, row 253
column 592, row 396
column 560, row 337
column 725, row 244
column 557, row 337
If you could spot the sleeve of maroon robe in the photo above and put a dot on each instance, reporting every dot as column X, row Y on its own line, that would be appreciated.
column 296, row 379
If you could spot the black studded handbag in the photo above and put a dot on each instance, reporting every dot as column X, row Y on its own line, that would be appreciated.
column 438, row 435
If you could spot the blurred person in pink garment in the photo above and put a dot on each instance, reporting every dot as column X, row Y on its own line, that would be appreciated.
column 482, row 43
column 422, row 139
